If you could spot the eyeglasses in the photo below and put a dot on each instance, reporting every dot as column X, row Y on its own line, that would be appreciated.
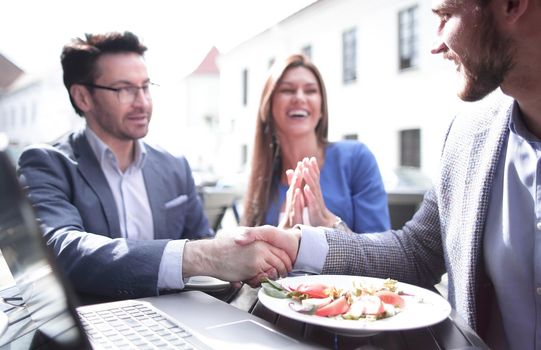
column 126, row 94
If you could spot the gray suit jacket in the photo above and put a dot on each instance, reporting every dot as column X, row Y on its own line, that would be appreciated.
column 446, row 234
column 78, row 215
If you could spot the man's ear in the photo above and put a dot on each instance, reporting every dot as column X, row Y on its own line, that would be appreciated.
column 513, row 10
column 81, row 97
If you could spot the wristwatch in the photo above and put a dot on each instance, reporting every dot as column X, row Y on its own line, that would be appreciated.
column 340, row 225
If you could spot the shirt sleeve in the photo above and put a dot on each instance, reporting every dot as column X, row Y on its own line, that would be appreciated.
column 170, row 273
column 313, row 249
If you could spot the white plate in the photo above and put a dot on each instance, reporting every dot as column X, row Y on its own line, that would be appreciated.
column 431, row 310
column 206, row 283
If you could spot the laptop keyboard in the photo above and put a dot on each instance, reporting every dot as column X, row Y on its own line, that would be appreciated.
column 135, row 326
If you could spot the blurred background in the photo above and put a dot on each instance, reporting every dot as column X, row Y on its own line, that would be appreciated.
column 210, row 58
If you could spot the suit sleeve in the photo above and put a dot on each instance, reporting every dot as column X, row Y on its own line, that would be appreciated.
column 95, row 264
column 412, row 255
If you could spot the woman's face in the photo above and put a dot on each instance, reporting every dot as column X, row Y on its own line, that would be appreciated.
column 296, row 103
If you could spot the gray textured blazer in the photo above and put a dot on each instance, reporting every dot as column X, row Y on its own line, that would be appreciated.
column 78, row 215
column 446, row 234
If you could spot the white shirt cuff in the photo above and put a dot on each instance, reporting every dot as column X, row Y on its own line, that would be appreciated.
column 313, row 250
column 170, row 273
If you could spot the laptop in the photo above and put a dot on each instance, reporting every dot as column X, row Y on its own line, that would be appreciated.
column 186, row 320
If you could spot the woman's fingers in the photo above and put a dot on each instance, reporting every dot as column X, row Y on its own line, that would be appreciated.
column 289, row 175
column 295, row 216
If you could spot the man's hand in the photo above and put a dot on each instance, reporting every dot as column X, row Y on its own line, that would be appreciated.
column 223, row 258
column 286, row 240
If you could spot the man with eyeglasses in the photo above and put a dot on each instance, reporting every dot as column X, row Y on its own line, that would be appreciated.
column 123, row 217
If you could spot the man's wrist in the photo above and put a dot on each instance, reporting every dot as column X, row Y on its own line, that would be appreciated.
column 195, row 258
column 296, row 231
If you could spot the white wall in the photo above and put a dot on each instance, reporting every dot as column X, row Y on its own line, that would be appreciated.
column 180, row 120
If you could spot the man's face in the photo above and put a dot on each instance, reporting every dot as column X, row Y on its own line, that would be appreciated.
column 468, row 36
column 111, row 118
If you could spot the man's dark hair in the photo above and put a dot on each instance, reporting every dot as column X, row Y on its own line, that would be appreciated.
column 79, row 57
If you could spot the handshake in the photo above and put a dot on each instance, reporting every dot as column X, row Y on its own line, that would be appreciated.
column 243, row 254
column 251, row 253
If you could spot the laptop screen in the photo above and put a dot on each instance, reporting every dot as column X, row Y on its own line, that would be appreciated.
column 48, row 299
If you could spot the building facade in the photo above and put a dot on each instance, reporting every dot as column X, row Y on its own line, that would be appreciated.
column 384, row 87
column 36, row 110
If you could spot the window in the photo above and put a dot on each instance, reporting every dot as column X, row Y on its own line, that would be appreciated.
column 243, row 154
column 410, row 148
column 407, row 38
column 349, row 55
column 244, row 87
column 307, row 51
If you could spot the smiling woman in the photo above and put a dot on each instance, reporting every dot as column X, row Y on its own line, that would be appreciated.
column 334, row 184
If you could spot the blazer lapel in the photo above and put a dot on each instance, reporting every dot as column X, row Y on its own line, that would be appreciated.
column 156, row 192
column 493, row 139
column 90, row 170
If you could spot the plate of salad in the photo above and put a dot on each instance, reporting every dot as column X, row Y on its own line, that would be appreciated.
column 352, row 305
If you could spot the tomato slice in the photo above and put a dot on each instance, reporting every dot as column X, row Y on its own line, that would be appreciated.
column 336, row 307
column 314, row 290
column 391, row 298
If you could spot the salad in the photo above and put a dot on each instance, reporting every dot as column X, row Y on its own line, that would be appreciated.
column 359, row 302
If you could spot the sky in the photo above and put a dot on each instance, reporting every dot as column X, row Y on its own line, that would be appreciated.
column 178, row 33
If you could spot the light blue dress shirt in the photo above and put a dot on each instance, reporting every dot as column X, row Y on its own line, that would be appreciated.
column 313, row 250
column 512, row 240
column 135, row 215
column 128, row 187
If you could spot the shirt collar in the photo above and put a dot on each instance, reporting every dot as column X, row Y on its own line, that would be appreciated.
column 517, row 126
column 103, row 152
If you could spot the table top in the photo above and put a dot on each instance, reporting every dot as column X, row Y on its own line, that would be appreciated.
column 452, row 333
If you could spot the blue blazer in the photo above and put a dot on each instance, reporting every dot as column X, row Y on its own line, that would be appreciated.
column 79, row 219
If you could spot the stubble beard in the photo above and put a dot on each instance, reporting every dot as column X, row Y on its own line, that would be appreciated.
column 485, row 69
column 121, row 132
